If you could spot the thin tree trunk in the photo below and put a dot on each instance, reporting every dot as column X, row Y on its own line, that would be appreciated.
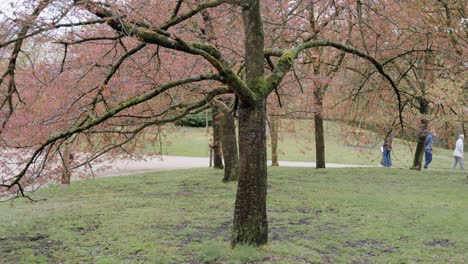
column 250, row 217
column 215, row 149
column 66, row 164
column 319, row 132
column 274, row 127
column 229, row 145
column 216, row 144
column 419, row 153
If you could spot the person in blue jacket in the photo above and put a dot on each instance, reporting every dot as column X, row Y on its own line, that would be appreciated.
column 428, row 148
column 387, row 149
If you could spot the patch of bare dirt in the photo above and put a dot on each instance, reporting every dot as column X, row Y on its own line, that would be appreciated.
column 440, row 243
column 363, row 243
column 85, row 229
column 41, row 244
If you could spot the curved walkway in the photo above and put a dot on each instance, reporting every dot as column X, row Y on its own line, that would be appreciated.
column 121, row 167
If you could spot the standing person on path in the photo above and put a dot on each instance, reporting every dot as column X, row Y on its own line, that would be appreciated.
column 458, row 153
column 387, row 149
column 428, row 148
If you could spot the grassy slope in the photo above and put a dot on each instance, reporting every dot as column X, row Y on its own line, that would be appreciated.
column 297, row 144
column 365, row 215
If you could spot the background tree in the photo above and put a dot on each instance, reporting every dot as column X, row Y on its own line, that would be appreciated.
column 228, row 139
column 274, row 124
column 215, row 146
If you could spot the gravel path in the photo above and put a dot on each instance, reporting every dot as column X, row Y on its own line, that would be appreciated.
column 129, row 166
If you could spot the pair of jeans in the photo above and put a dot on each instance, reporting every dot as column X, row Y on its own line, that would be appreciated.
column 387, row 159
column 428, row 157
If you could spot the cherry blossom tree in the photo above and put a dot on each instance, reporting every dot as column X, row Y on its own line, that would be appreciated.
column 124, row 67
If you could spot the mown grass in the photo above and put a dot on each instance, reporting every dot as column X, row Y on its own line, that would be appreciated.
column 361, row 215
column 297, row 143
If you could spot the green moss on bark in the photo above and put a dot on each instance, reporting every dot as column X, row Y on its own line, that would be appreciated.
column 245, row 91
column 258, row 85
column 281, row 68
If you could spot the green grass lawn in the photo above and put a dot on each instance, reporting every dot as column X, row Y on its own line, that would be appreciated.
column 363, row 215
column 297, row 143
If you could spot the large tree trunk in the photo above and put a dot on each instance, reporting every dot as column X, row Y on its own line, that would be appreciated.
column 419, row 153
column 216, row 144
column 250, row 217
column 319, row 133
column 229, row 145
column 274, row 127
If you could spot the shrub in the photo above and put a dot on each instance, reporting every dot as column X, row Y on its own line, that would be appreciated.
column 195, row 120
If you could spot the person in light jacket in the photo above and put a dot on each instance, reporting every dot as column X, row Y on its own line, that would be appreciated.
column 458, row 153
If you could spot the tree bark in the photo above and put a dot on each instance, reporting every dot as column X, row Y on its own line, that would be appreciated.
column 229, row 145
column 274, row 127
column 319, row 132
column 419, row 153
column 216, row 144
column 66, row 164
column 250, row 217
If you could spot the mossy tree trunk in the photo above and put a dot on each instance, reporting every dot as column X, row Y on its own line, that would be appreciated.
column 229, row 145
column 250, row 217
column 274, row 131
column 216, row 143
column 250, row 225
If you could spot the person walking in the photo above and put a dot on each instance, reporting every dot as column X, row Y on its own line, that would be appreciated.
column 428, row 149
column 387, row 149
column 458, row 153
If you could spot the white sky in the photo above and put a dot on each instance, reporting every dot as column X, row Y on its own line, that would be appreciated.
column 5, row 5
